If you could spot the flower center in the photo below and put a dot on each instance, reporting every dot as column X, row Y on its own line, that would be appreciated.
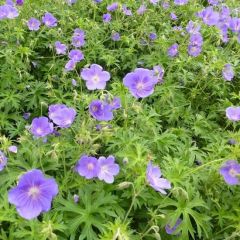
column 90, row 166
column 232, row 172
column 1, row 159
column 140, row 86
column 95, row 79
column 39, row 131
column 33, row 192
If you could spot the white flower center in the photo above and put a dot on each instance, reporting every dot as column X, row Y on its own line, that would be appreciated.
column 95, row 79
column 33, row 192
column 90, row 166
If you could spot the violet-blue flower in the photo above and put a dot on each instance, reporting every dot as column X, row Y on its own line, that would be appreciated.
column 142, row 9
column 173, row 50
column 192, row 27
column 95, row 77
column 115, row 103
column 231, row 172
column 141, row 82
column 70, row 65
column 180, row 2
column 228, row 72
column 107, row 17
column 154, row 179
column 33, row 24
column 76, row 55
column 209, row 16
column 100, row 110
column 171, row 230
column 154, row 2
column 78, row 38
column 33, row 194
column 19, row 2
column 107, row 169
column 115, row 36
column 152, row 36
column 3, row 160
column 60, row 47
column 235, row 25
column 173, row 16
column 41, row 127
column 13, row 149
column 126, row 11
column 112, row 7
column 196, row 39
column 159, row 73
column 233, row 113
column 194, row 50
column 62, row 115
column 87, row 167
column 49, row 20
column 71, row 2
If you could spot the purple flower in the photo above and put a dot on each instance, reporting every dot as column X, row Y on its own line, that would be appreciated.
column 33, row 194
column 180, row 2
column 98, row 1
column 107, row 17
column 126, row 11
column 87, row 167
column 107, row 169
column 228, row 72
column 60, row 48
column 231, row 172
column 173, row 50
column 3, row 11
column 159, row 72
column 41, row 127
column 194, row 50
column 141, row 82
column 3, row 160
column 165, row 5
column 9, row 2
column 100, row 110
column 193, row 28
column 78, row 39
column 76, row 55
column 233, row 113
column 8, row 11
column 70, row 65
column 33, row 24
column 13, row 149
column 173, row 16
column 112, row 7
column 115, row 103
column 235, row 25
column 152, row 36
column 154, row 2
column 209, row 16
column 74, row 82
column 171, row 230
column 141, row 10
column 49, row 20
column 26, row 116
column 95, row 77
column 19, row 2
column 115, row 36
column 75, row 198
column 71, row 2
column 62, row 115
column 196, row 39
column 154, row 179
column 213, row 2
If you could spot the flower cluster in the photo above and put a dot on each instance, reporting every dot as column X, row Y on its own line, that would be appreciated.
column 103, row 110
column 60, row 114
column 103, row 168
